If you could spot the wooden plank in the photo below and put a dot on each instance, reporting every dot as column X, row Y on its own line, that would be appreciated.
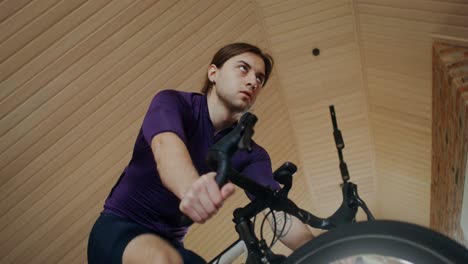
column 42, row 69
column 455, row 7
column 15, row 14
column 39, row 33
column 342, row 21
column 308, row 21
column 408, row 24
column 303, row 11
column 284, row 6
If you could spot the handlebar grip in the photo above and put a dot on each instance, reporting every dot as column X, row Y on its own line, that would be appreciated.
column 186, row 221
column 221, row 177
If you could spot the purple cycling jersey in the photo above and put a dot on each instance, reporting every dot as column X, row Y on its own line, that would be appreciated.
column 139, row 193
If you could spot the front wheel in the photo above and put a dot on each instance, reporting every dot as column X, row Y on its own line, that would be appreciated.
column 394, row 239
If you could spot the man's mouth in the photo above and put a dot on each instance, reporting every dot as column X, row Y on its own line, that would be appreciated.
column 247, row 94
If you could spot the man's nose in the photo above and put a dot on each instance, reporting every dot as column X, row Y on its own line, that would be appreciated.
column 252, row 81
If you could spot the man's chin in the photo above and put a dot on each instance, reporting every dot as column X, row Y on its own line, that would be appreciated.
column 246, row 104
column 241, row 108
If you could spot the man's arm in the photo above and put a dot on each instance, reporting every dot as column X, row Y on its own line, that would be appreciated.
column 200, row 195
column 294, row 234
column 173, row 163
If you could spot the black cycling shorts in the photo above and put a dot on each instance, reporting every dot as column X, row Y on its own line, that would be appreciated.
column 111, row 234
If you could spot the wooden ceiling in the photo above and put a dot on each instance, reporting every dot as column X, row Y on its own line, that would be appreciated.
column 76, row 78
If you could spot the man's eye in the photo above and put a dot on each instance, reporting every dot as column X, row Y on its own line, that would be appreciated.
column 260, row 80
column 243, row 68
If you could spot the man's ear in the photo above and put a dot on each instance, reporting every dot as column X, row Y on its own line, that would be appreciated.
column 212, row 72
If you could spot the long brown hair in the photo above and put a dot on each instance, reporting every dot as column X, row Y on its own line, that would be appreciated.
column 234, row 49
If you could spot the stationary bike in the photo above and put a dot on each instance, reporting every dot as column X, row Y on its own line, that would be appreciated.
column 345, row 237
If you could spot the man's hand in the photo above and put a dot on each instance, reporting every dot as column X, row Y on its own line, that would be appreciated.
column 204, row 198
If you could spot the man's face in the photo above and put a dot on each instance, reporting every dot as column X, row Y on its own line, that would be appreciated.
column 238, row 81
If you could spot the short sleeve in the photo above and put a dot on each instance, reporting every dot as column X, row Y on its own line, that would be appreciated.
column 166, row 113
column 261, row 172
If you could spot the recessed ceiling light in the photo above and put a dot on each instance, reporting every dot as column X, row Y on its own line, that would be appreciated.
column 316, row 51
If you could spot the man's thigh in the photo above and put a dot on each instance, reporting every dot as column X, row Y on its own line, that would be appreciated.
column 149, row 248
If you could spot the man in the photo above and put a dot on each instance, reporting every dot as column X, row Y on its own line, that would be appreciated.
column 167, row 175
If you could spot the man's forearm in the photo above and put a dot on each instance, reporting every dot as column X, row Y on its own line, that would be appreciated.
column 173, row 161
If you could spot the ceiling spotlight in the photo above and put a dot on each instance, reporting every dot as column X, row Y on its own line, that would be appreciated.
column 316, row 51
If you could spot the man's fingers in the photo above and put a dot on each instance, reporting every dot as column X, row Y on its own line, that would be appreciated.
column 190, row 213
column 213, row 191
column 192, row 207
column 204, row 198
column 227, row 190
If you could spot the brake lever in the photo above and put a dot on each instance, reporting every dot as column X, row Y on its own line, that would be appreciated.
column 284, row 175
column 219, row 155
column 248, row 122
column 362, row 204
